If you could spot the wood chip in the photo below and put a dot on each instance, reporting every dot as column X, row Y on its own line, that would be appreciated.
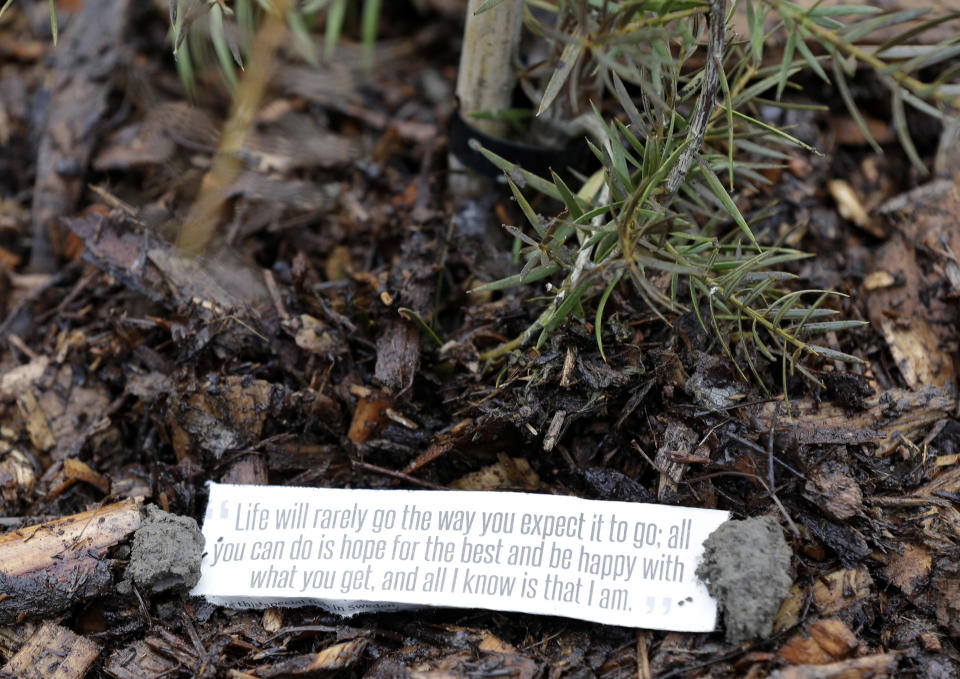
column 841, row 588
column 877, row 666
column 54, row 652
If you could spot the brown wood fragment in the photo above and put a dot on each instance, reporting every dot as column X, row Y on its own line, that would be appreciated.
column 54, row 652
column 76, row 470
column 338, row 656
column 139, row 661
column 841, row 588
column 17, row 476
column 869, row 667
column 228, row 417
column 508, row 472
column 909, row 569
column 851, row 208
column 791, row 609
column 216, row 287
column 831, row 486
column 89, row 52
column 398, row 346
column 368, row 418
column 827, row 641
column 398, row 354
column 893, row 413
column 443, row 443
column 49, row 567
column 247, row 470
column 945, row 583
column 38, row 428
column 458, row 665
column 678, row 443
column 930, row 642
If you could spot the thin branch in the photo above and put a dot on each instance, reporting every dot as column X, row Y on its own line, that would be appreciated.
column 708, row 96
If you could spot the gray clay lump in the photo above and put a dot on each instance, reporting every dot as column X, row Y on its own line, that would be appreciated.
column 746, row 567
column 166, row 551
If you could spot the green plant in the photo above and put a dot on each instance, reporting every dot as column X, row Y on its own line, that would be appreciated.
column 688, row 135
column 231, row 24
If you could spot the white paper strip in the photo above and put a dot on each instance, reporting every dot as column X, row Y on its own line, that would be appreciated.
column 351, row 551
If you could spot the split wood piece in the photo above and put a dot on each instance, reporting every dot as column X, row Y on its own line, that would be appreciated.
column 15, row 637
column 481, row 437
column 412, row 277
column 84, row 60
column 831, row 486
column 887, row 419
column 54, row 652
column 46, row 568
column 140, row 660
column 677, row 448
column 509, row 473
column 825, row 641
column 909, row 569
column 146, row 264
column 336, row 657
column 369, row 417
column 230, row 417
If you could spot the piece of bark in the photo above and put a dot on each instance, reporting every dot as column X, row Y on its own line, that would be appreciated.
column 876, row 666
column 890, row 414
column 826, row 641
column 678, row 443
column 139, row 660
column 368, row 418
column 945, row 594
column 916, row 315
column 247, row 470
column 54, row 652
column 215, row 287
column 86, row 57
column 831, row 486
column 836, row 590
column 398, row 346
column 909, row 569
column 48, row 568
column 336, row 657
column 508, row 473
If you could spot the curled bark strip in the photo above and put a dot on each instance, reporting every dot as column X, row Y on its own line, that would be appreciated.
column 708, row 95
column 84, row 66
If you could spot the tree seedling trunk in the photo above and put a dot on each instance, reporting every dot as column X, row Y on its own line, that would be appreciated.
column 486, row 77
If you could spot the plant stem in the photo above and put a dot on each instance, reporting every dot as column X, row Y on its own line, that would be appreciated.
column 201, row 223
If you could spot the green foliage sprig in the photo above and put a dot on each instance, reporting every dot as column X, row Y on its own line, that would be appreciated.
column 230, row 25
column 688, row 135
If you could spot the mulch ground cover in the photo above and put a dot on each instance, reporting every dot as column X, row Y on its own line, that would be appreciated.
column 294, row 352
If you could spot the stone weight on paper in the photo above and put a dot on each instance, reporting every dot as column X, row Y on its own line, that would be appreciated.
column 746, row 568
